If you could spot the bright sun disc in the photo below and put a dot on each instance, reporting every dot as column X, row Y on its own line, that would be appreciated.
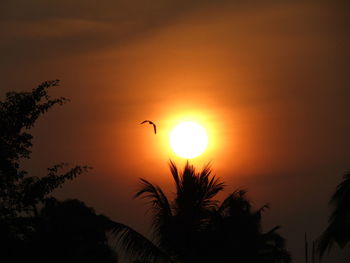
column 188, row 140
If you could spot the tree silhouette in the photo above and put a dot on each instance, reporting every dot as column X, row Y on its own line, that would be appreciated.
column 195, row 227
column 338, row 229
column 69, row 231
column 235, row 227
column 21, row 194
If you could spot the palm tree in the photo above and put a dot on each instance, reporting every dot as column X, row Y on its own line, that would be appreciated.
column 235, row 227
column 194, row 227
column 338, row 230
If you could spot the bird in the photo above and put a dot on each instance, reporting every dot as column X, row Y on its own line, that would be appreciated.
column 152, row 123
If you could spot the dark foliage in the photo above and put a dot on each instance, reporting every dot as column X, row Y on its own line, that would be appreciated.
column 59, row 231
column 338, row 230
column 194, row 227
column 65, row 231
column 20, row 193
column 72, row 232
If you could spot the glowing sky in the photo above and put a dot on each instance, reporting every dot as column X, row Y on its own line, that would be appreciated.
column 270, row 81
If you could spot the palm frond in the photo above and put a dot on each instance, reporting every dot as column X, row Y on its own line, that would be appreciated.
column 324, row 243
column 155, row 195
column 273, row 230
column 175, row 173
column 161, row 209
column 236, row 201
column 274, row 246
column 259, row 212
column 212, row 186
column 342, row 194
column 135, row 244
column 273, row 237
column 197, row 189
column 338, row 230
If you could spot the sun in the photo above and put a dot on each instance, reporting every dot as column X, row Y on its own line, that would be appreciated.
column 188, row 140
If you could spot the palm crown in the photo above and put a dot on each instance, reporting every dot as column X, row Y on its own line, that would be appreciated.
column 338, row 230
column 195, row 227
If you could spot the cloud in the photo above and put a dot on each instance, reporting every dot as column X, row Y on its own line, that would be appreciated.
column 54, row 28
column 34, row 29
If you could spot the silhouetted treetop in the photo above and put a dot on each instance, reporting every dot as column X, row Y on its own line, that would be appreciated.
column 196, row 227
column 18, row 114
column 66, row 231
column 22, row 195
column 338, row 229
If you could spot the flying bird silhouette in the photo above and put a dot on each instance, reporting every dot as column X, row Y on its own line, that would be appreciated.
column 152, row 123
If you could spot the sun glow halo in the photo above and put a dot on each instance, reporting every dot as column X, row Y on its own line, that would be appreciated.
column 188, row 140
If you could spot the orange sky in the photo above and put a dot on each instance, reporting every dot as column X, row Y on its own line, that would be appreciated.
column 269, row 81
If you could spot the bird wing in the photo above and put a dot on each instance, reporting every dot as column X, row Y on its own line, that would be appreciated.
column 151, row 122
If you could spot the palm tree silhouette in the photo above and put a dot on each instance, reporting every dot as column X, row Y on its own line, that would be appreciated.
column 338, row 230
column 236, row 228
column 195, row 227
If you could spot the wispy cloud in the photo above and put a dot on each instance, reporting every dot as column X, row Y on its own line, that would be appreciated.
column 54, row 28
